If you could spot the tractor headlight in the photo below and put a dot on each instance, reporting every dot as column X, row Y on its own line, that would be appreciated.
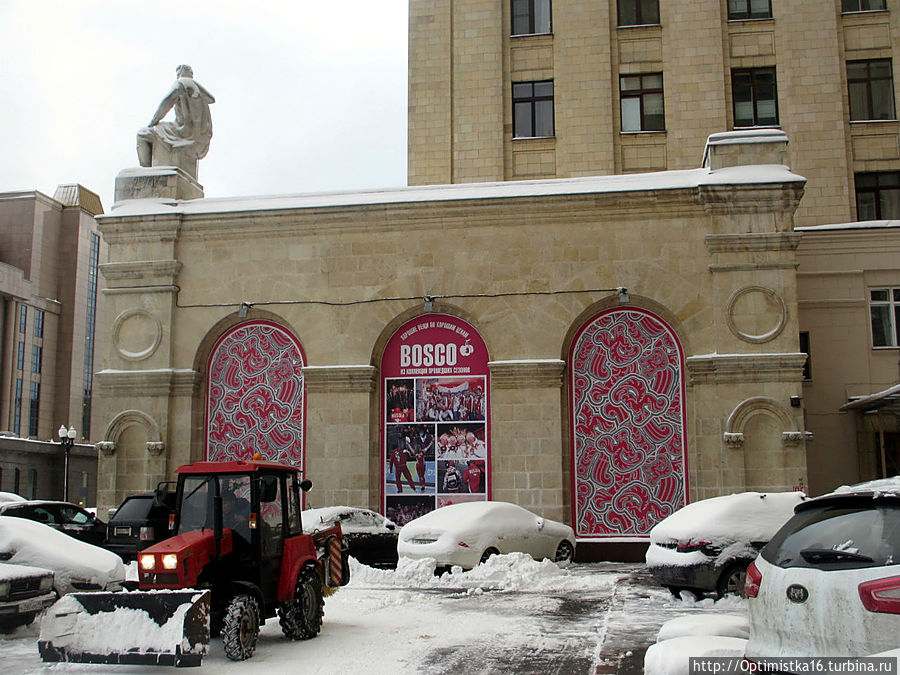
column 170, row 561
column 148, row 562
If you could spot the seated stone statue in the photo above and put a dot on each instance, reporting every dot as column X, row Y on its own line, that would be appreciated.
column 186, row 140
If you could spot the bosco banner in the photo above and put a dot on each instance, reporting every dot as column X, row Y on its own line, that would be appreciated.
column 435, row 417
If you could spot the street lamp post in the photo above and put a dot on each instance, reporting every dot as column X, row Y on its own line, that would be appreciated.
column 67, row 438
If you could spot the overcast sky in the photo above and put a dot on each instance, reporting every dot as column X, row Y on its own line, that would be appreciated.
column 310, row 95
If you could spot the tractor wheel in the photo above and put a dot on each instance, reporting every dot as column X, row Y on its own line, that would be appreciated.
column 565, row 552
column 301, row 618
column 240, row 627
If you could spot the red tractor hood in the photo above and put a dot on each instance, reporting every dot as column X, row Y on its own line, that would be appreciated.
column 178, row 561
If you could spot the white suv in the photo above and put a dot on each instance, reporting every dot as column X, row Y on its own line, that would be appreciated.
column 828, row 582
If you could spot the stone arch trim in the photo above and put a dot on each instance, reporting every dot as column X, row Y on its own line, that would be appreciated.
column 761, row 405
column 628, row 422
column 125, row 420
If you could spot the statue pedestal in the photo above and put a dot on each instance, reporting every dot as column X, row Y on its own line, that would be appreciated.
column 156, row 182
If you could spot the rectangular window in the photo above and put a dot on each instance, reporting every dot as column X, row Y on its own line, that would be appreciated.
column 533, row 109
column 36, row 358
column 861, row 5
column 20, row 356
column 870, row 86
column 17, row 475
column 804, row 347
column 638, row 12
column 749, row 9
column 38, row 323
column 878, row 195
column 34, row 413
column 23, row 318
column 642, row 103
column 17, row 410
column 755, row 97
column 530, row 17
column 32, row 484
column 884, row 307
column 90, row 329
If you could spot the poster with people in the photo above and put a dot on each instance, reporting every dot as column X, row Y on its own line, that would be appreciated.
column 435, row 403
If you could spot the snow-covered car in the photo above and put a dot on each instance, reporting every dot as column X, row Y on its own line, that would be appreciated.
column 10, row 497
column 828, row 583
column 468, row 533
column 369, row 537
column 63, row 516
column 76, row 565
column 24, row 592
column 706, row 546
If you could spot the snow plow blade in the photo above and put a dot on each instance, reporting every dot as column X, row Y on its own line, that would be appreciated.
column 163, row 628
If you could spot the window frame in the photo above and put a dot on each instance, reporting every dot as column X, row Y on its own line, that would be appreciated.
column 640, row 95
column 533, row 101
column 34, row 411
column 755, row 99
column 748, row 14
column 859, row 3
column 638, row 12
column 876, row 191
column 870, row 113
column 532, row 15
column 892, row 305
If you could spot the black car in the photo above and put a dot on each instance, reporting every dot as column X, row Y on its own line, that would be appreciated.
column 63, row 516
column 140, row 521
column 368, row 536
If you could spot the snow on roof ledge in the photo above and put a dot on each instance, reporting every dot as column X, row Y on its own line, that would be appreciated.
column 641, row 182
column 858, row 225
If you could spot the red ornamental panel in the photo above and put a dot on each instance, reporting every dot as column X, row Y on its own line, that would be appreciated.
column 435, row 417
column 628, row 421
column 255, row 395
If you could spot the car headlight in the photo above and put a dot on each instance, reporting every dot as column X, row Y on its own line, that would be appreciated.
column 4, row 589
column 170, row 561
column 46, row 583
column 148, row 562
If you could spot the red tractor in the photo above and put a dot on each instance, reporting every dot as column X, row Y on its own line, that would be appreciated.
column 238, row 546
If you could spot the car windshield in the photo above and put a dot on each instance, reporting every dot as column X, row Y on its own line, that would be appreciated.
column 134, row 508
column 839, row 536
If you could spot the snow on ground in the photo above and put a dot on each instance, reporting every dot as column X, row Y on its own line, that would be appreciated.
column 410, row 621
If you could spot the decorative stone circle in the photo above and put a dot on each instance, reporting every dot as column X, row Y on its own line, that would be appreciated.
column 136, row 334
column 750, row 308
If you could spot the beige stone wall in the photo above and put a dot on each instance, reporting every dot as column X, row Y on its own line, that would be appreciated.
column 457, row 126
column 837, row 269
column 715, row 263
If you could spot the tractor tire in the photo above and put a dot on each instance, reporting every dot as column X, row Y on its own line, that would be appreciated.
column 301, row 618
column 240, row 627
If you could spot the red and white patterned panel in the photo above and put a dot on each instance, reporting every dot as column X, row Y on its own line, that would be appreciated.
column 627, row 406
column 255, row 395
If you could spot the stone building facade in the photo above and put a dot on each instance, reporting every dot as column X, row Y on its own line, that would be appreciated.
column 633, row 86
column 623, row 343
column 50, row 253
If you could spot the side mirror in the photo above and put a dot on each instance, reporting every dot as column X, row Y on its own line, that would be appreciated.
column 306, row 485
column 540, row 523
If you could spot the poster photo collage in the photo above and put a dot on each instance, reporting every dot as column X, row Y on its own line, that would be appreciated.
column 436, row 447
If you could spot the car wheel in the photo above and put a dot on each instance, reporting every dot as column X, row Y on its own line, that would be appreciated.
column 731, row 581
column 240, row 627
column 301, row 618
column 488, row 553
column 565, row 552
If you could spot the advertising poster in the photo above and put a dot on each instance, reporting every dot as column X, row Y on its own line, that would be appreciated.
column 435, row 417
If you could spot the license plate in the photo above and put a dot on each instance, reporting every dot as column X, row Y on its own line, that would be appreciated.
column 123, row 532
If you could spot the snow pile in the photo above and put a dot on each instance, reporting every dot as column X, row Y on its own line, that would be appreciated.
column 68, row 625
column 10, row 497
column 511, row 572
column 725, row 625
column 9, row 572
column 672, row 657
column 35, row 544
